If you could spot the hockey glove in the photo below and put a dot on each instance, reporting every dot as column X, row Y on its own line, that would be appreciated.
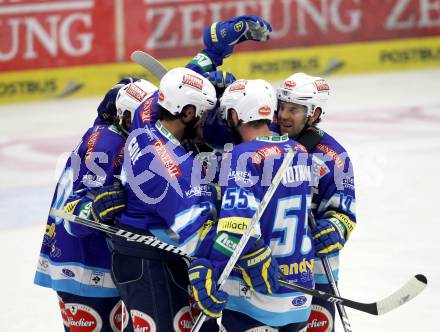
column 328, row 238
column 220, row 37
column 260, row 270
column 220, row 79
column 203, row 280
column 107, row 202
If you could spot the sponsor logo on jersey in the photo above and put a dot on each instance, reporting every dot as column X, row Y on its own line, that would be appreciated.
column 183, row 320
column 83, row 318
column 166, row 158
column 136, row 92
column 202, row 190
column 118, row 317
column 238, row 85
column 265, row 153
column 43, row 265
column 297, row 173
column 339, row 162
column 320, row 320
column 299, row 301
column 289, row 84
column 91, row 143
column 240, row 176
column 118, row 159
column 226, row 243
column 322, row 85
column 235, row 225
column 305, row 266
column 348, row 182
column 68, row 273
column 193, row 81
column 147, row 109
column 142, row 322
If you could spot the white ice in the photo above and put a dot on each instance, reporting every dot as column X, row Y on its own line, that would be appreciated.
column 390, row 125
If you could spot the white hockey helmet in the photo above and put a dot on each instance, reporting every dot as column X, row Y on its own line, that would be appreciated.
column 251, row 99
column 306, row 90
column 180, row 87
column 131, row 95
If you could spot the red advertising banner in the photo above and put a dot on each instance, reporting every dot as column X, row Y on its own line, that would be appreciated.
column 41, row 34
column 173, row 28
column 60, row 33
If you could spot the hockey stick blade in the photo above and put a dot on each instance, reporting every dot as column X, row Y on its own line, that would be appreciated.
column 149, row 63
column 408, row 291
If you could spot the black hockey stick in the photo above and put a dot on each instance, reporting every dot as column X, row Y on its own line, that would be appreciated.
column 334, row 287
column 408, row 291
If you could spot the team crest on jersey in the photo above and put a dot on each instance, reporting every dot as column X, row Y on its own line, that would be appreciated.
column 119, row 317
column 142, row 322
column 82, row 318
column 289, row 84
column 322, row 85
column 265, row 153
column 320, row 320
column 183, row 320
column 238, row 85
column 147, row 110
column 136, row 92
column 193, row 81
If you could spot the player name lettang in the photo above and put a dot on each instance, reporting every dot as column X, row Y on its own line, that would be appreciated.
column 298, row 173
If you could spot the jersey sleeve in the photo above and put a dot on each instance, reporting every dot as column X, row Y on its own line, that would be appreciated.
column 335, row 199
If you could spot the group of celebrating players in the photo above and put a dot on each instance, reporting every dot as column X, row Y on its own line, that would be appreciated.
column 189, row 162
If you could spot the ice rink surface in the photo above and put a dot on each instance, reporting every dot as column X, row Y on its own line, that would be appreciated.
column 390, row 125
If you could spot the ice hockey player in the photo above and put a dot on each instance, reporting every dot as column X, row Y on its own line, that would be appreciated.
column 74, row 260
column 302, row 99
column 164, row 200
column 253, row 299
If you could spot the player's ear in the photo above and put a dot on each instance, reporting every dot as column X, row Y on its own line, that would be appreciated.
column 188, row 113
column 314, row 118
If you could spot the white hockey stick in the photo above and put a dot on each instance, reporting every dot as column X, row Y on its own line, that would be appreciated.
column 246, row 236
column 149, row 63
column 407, row 292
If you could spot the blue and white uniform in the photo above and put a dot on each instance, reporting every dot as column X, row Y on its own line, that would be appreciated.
column 68, row 263
column 283, row 226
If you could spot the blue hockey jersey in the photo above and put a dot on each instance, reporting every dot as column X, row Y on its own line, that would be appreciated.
column 284, row 225
column 68, row 263
column 334, row 195
column 165, row 194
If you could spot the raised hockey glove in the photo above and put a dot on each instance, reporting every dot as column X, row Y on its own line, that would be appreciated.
column 260, row 270
column 328, row 238
column 220, row 37
column 107, row 202
column 220, row 79
column 203, row 280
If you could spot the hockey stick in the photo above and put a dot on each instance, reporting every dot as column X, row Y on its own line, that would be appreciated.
column 407, row 292
column 246, row 236
column 334, row 287
column 149, row 63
